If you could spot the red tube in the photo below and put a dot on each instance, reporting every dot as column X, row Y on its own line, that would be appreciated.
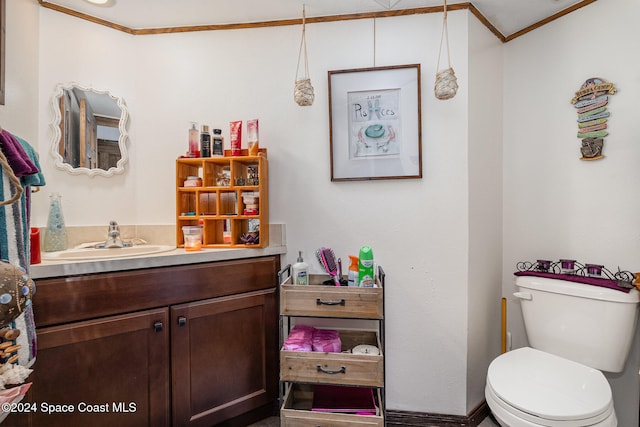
column 34, row 239
column 236, row 138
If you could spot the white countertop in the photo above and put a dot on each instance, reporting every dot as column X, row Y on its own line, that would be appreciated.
column 179, row 256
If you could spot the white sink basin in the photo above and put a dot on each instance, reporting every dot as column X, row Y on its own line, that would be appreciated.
column 79, row 254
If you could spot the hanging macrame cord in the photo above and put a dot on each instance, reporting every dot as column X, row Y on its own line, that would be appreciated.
column 303, row 91
column 14, row 180
column 446, row 84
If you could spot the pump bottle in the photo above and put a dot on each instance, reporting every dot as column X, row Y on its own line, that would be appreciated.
column 300, row 271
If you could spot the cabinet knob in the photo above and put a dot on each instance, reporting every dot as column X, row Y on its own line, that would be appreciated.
column 157, row 326
column 182, row 321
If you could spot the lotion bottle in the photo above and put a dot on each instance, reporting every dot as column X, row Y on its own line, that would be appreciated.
column 300, row 271
column 218, row 143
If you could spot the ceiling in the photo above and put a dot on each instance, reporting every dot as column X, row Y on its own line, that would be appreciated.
column 507, row 16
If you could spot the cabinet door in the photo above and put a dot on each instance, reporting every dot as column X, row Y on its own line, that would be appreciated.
column 106, row 372
column 223, row 357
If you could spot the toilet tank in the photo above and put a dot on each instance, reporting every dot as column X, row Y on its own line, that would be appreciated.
column 588, row 324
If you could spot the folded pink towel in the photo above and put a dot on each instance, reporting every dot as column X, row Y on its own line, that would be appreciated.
column 327, row 341
column 308, row 338
column 300, row 338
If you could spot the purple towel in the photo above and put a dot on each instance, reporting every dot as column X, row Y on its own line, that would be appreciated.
column 595, row 281
column 16, row 156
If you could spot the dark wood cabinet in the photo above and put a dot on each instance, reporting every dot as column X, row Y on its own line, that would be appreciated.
column 194, row 345
column 106, row 372
column 222, row 357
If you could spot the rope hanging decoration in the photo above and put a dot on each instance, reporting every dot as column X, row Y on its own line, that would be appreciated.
column 303, row 91
column 14, row 180
column 446, row 84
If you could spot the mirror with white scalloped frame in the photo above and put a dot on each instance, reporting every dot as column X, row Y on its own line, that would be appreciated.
column 89, row 130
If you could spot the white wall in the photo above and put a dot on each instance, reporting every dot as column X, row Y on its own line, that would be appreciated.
column 19, row 114
column 485, row 206
column 418, row 228
column 100, row 57
column 557, row 206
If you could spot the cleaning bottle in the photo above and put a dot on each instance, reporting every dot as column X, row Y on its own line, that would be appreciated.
column 300, row 271
column 365, row 268
column 353, row 271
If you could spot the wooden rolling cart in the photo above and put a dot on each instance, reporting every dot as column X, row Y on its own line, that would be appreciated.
column 300, row 371
column 228, row 199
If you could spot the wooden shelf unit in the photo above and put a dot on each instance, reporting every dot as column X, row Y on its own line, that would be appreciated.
column 300, row 371
column 218, row 204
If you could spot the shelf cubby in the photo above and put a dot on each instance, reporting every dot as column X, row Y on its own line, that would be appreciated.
column 218, row 204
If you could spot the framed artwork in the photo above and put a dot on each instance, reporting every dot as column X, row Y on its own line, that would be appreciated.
column 375, row 123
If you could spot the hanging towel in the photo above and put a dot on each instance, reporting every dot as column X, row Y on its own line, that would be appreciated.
column 19, row 161
column 16, row 155
column 28, row 181
column 15, row 227
column 36, row 179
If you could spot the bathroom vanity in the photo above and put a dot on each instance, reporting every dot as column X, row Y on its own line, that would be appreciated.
column 189, row 344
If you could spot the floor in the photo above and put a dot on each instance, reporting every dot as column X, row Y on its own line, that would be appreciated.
column 275, row 422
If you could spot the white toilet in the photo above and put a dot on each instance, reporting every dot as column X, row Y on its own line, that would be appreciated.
column 575, row 331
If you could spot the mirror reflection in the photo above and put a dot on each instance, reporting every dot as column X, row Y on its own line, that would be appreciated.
column 89, row 130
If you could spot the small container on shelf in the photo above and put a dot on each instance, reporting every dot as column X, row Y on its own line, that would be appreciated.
column 251, row 202
column 223, row 177
column 192, row 237
column 193, row 181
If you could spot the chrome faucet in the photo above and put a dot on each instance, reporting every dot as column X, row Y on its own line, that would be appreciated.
column 113, row 236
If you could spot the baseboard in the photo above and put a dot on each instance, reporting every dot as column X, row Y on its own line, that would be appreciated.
column 422, row 419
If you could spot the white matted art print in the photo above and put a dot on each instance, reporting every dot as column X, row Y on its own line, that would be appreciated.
column 375, row 123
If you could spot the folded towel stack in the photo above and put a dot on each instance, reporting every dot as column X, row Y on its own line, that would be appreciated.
column 308, row 338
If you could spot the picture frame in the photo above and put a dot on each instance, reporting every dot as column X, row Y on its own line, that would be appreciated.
column 375, row 123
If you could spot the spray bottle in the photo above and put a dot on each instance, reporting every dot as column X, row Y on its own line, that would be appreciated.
column 300, row 271
column 365, row 268
column 353, row 271
column 194, row 151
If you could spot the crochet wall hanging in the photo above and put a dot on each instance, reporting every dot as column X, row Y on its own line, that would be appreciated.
column 303, row 90
column 446, row 84
column 591, row 105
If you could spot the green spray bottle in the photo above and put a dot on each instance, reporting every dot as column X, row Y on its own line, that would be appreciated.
column 365, row 268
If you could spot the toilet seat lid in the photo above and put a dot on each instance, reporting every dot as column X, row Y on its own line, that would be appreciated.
column 549, row 386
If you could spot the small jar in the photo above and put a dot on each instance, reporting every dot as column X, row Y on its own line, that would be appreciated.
column 193, row 181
